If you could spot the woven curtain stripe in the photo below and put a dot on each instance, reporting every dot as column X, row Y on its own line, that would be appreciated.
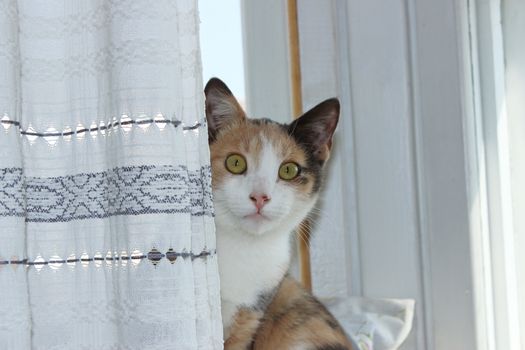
column 107, row 236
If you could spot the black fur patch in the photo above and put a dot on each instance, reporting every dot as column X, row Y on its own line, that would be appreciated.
column 265, row 298
column 263, row 121
column 313, row 166
column 333, row 347
column 332, row 323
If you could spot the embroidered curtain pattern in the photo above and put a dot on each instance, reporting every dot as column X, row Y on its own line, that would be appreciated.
column 106, row 220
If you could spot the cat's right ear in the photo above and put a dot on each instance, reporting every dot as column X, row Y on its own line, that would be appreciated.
column 221, row 107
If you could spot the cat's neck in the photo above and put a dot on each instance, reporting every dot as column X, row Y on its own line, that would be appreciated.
column 262, row 260
column 249, row 266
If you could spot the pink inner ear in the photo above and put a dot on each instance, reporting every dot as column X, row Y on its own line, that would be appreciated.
column 322, row 133
column 221, row 110
column 324, row 152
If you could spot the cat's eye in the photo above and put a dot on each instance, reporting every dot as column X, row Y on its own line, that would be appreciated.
column 289, row 171
column 235, row 164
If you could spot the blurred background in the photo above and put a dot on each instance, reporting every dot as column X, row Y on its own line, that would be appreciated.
column 426, row 194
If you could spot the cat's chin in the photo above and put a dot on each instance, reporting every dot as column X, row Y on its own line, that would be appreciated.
column 256, row 224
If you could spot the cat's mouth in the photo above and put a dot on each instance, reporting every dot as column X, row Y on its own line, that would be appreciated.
column 256, row 223
column 257, row 217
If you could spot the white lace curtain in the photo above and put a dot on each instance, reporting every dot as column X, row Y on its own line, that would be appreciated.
column 106, row 220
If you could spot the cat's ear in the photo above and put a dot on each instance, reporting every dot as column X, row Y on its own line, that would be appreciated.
column 315, row 128
column 221, row 106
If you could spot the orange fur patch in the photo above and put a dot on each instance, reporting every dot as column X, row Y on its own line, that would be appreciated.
column 293, row 318
column 243, row 329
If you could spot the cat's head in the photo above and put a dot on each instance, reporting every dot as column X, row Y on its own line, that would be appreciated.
column 266, row 175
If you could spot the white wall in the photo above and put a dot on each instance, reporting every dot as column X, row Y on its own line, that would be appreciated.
column 514, row 34
column 266, row 59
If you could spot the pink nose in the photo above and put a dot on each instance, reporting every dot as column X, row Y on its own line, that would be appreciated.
column 259, row 200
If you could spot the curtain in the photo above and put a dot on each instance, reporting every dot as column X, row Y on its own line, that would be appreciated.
column 106, row 219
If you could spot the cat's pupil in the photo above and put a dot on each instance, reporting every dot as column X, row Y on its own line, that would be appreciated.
column 236, row 162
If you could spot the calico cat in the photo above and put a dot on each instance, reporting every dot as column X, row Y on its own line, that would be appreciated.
column 266, row 178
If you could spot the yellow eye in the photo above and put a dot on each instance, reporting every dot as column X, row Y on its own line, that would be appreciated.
column 289, row 171
column 236, row 164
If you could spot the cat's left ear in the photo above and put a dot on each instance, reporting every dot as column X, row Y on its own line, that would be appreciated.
column 315, row 128
column 221, row 107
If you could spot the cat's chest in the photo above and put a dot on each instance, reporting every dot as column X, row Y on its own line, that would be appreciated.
column 249, row 267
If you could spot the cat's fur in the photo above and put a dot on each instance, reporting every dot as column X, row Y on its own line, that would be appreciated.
column 262, row 308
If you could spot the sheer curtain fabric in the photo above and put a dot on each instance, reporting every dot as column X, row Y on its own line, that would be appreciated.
column 106, row 220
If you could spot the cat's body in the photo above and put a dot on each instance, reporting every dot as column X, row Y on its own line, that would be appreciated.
column 292, row 319
column 266, row 178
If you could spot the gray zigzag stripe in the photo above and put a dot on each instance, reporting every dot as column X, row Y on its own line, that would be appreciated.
column 133, row 190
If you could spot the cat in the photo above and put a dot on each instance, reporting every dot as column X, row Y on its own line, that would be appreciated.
column 266, row 178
